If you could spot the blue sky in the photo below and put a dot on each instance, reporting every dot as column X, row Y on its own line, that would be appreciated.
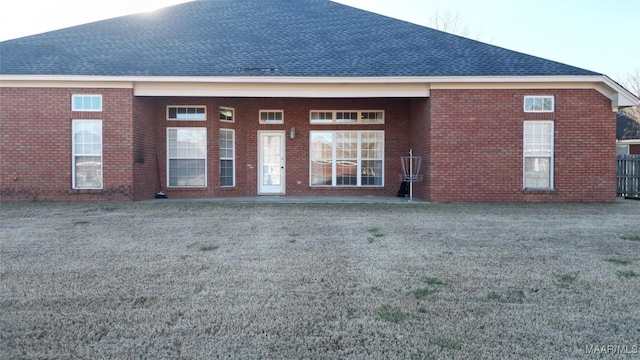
column 599, row 35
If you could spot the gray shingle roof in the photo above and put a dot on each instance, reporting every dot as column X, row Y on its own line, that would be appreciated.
column 264, row 38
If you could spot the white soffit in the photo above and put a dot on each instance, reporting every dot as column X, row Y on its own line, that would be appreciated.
column 302, row 90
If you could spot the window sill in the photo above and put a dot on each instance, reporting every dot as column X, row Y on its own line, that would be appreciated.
column 539, row 191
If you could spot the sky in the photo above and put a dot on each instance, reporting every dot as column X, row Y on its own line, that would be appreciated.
column 598, row 35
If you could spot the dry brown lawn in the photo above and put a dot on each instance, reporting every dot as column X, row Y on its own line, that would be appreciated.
column 201, row 280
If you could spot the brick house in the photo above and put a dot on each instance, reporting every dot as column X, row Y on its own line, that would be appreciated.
column 276, row 97
column 628, row 131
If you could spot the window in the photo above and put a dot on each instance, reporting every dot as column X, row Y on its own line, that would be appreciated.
column 622, row 149
column 346, row 158
column 198, row 113
column 227, row 150
column 271, row 117
column 347, row 117
column 187, row 157
column 538, row 155
column 539, row 104
column 87, row 154
column 227, row 114
column 86, row 103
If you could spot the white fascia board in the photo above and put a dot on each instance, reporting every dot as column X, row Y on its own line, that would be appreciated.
column 261, row 86
column 302, row 90
column 628, row 142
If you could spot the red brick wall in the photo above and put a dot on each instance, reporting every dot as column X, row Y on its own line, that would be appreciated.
column 470, row 141
column 146, row 182
column 296, row 114
column 476, row 146
column 420, row 128
column 35, row 143
column 634, row 149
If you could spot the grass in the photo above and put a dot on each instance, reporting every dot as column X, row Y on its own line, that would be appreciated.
column 448, row 344
column 433, row 281
column 375, row 233
column 619, row 261
column 208, row 247
column 422, row 292
column 627, row 274
column 565, row 280
column 630, row 237
column 391, row 314
column 293, row 237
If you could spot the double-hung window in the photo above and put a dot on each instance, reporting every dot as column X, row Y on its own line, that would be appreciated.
column 87, row 154
column 187, row 157
column 227, row 151
column 347, row 158
column 538, row 155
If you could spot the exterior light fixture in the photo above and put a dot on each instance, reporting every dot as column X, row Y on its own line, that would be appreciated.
column 292, row 133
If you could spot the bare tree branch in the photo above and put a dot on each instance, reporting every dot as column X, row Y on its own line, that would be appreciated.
column 451, row 22
column 632, row 82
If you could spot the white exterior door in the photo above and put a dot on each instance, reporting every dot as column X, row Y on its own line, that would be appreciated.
column 271, row 162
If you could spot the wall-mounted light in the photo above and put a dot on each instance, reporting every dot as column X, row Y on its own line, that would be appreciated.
column 292, row 133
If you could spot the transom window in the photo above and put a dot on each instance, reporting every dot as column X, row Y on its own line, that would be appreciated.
column 271, row 117
column 227, row 150
column 539, row 104
column 87, row 154
column 187, row 157
column 346, row 117
column 538, row 155
column 227, row 114
column 347, row 158
column 86, row 103
column 198, row 113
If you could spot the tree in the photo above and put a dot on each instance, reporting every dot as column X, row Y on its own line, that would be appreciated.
column 451, row 22
column 632, row 82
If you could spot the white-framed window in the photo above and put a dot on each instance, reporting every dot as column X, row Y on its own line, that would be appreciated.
column 187, row 112
column 227, row 158
column 90, row 102
column 538, row 153
column 87, row 154
column 227, row 114
column 622, row 149
column 187, row 157
column 271, row 117
column 539, row 104
column 346, row 117
column 346, row 158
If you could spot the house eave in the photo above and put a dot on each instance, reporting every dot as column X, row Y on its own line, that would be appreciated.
column 327, row 86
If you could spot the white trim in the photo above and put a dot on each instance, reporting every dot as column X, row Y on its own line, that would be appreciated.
column 332, row 87
column 551, row 157
column 334, row 120
column 358, row 159
column 233, row 116
column 233, row 158
column 74, row 96
column 283, row 160
column 628, row 142
column 73, row 154
column 261, row 111
column 205, row 158
column 533, row 97
column 186, row 107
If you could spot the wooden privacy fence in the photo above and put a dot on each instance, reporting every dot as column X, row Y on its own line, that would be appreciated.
column 628, row 176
